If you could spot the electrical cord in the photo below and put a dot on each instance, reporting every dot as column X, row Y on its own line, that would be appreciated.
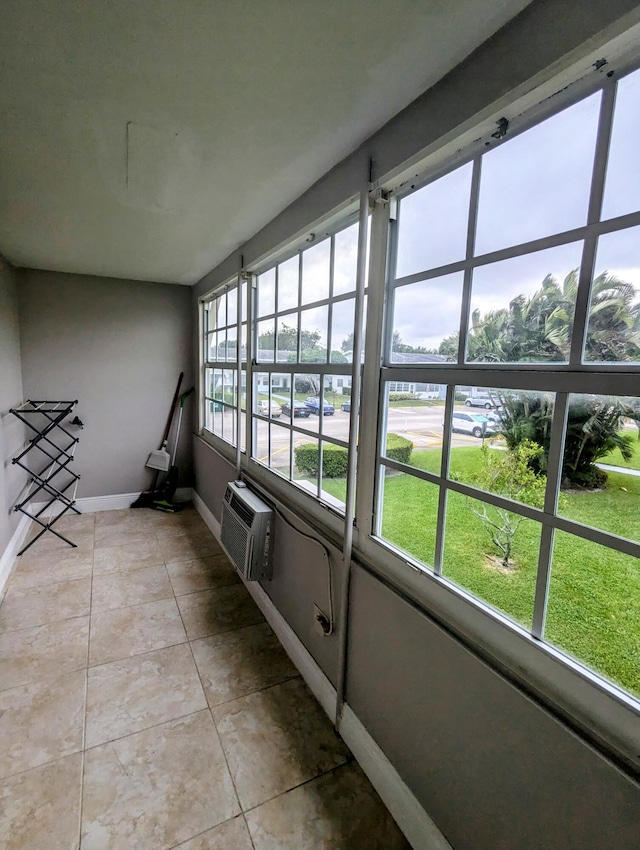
column 327, row 555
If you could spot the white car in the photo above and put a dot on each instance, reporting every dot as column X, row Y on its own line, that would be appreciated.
column 472, row 423
column 263, row 408
column 480, row 400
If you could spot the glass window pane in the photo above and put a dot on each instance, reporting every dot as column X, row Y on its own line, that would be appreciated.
column 232, row 343
column 267, row 293
column 213, row 416
column 493, row 553
column 261, row 382
column 229, row 386
column 414, row 424
column 522, row 309
column 622, row 187
column 345, row 260
column 334, row 475
column 288, row 284
column 601, row 467
column 325, row 409
column 243, row 390
column 243, row 432
column 261, row 441
column 243, row 343
column 210, row 346
column 232, row 306
column 593, row 609
column 421, row 333
column 313, row 335
column 208, row 383
column 280, row 392
column 409, row 510
column 217, row 384
column 266, row 341
column 306, row 462
column 306, row 389
column 433, row 222
column 207, row 323
column 280, row 454
column 613, row 332
column 342, row 324
column 229, row 424
column 221, row 311
column 243, row 305
column 316, row 262
column 288, row 338
column 538, row 183
column 221, row 345
column 500, row 442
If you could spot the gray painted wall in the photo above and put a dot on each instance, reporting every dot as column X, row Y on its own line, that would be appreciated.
column 302, row 577
column 493, row 769
column 117, row 346
column 12, row 479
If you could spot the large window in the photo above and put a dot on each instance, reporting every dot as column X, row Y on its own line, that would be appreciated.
column 305, row 313
column 498, row 441
column 224, row 388
column 511, row 370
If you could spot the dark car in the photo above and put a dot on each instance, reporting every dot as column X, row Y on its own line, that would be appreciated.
column 298, row 410
column 313, row 403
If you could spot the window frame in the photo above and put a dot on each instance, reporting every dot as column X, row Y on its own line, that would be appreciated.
column 318, row 506
column 219, row 440
column 606, row 712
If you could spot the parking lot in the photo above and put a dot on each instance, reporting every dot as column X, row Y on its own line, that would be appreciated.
column 421, row 425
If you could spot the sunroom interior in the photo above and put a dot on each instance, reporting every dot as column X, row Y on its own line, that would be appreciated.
column 396, row 252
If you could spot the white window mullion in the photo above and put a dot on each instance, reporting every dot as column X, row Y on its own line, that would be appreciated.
column 468, row 272
column 371, row 371
column 587, row 265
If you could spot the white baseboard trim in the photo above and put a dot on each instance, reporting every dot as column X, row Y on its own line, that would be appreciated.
column 320, row 686
column 115, row 502
column 419, row 829
column 8, row 557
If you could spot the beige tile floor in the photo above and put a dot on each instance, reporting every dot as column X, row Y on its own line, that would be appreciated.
column 145, row 704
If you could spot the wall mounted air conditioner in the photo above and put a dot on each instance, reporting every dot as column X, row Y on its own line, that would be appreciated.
column 246, row 532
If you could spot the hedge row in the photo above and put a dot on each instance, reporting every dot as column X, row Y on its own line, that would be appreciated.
column 334, row 458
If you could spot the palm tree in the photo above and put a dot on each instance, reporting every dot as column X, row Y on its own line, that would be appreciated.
column 539, row 329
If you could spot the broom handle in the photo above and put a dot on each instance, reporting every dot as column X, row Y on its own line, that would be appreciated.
column 183, row 399
column 165, row 436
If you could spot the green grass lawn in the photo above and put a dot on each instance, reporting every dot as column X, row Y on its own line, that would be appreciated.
column 594, row 599
column 615, row 458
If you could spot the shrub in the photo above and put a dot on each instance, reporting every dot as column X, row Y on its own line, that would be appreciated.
column 334, row 458
column 399, row 448
column 401, row 396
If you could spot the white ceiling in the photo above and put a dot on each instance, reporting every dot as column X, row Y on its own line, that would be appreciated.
column 147, row 139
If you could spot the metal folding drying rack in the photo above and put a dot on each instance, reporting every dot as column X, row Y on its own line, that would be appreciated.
column 55, row 480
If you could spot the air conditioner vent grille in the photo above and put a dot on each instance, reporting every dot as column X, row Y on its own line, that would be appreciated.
column 243, row 510
column 234, row 537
